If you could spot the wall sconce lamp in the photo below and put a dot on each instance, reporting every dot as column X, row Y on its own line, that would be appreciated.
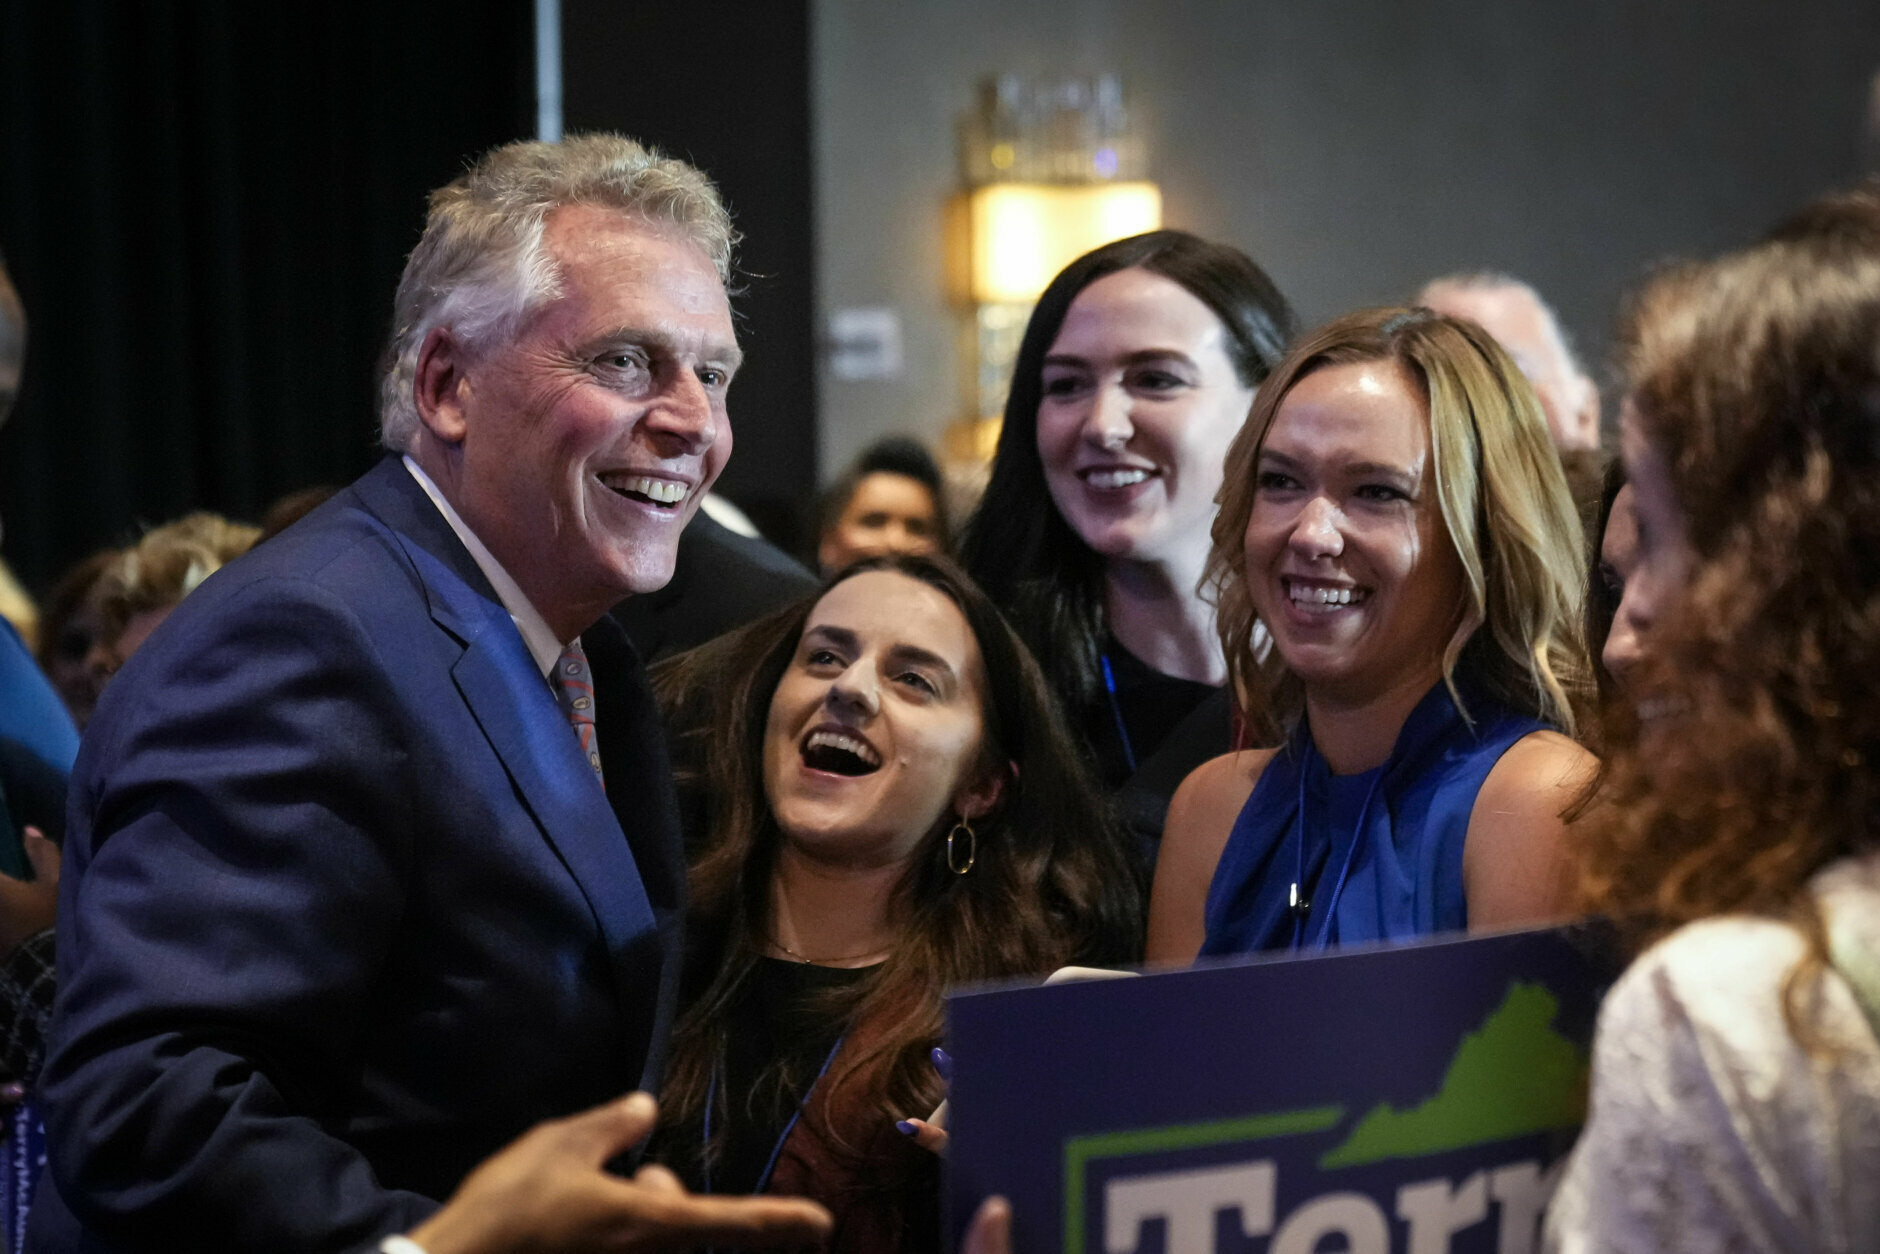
column 1024, row 233
column 1054, row 169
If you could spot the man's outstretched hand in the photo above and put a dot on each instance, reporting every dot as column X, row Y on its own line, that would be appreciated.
column 547, row 1191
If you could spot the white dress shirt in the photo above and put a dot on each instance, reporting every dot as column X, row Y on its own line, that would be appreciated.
column 543, row 646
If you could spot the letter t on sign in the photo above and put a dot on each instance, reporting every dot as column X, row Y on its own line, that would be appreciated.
column 1187, row 1201
column 1435, row 1214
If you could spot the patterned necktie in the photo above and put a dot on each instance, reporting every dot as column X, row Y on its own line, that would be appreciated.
column 574, row 687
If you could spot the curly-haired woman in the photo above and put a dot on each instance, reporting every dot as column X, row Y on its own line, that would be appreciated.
column 1736, row 1076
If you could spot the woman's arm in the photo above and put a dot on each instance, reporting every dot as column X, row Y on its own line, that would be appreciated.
column 1200, row 816
column 1515, row 867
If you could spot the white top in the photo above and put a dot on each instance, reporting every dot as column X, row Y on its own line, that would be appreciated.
column 1711, row 1127
column 543, row 646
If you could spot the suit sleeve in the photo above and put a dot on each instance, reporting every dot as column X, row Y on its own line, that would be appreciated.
column 240, row 831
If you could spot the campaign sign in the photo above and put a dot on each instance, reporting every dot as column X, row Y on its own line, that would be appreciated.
column 1416, row 1099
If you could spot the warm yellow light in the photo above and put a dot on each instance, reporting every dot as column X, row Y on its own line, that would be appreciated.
column 1024, row 233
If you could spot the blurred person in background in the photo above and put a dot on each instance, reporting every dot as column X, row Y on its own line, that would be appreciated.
column 137, row 591
column 30, row 711
column 72, row 625
column 1524, row 324
column 1135, row 372
column 891, row 499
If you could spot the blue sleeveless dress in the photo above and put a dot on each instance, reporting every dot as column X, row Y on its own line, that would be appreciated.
column 1381, row 855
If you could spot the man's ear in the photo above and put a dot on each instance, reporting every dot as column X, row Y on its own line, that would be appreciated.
column 439, row 385
column 983, row 795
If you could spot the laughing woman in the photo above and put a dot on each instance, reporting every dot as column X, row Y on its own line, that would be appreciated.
column 1395, row 517
column 899, row 810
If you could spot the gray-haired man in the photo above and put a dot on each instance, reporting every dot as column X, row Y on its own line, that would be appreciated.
column 373, row 865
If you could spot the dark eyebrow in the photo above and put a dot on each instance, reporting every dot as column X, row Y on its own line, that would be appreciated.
column 898, row 655
column 1355, row 468
column 1136, row 358
column 921, row 657
column 840, row 637
column 1382, row 470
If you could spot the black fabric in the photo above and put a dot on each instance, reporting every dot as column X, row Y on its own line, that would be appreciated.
column 721, row 581
column 778, row 1036
column 1207, row 732
column 31, row 792
column 205, row 208
column 27, row 984
column 1152, row 705
column 1174, row 725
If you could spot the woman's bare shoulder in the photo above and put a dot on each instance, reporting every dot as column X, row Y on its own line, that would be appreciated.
column 1221, row 784
column 1200, row 818
column 1214, row 793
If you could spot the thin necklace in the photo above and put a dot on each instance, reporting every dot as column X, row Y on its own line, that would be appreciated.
column 806, row 959
column 1297, row 902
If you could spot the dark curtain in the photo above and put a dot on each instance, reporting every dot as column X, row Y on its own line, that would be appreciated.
column 725, row 84
column 205, row 206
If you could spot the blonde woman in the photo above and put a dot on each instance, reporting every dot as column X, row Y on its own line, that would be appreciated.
column 1395, row 516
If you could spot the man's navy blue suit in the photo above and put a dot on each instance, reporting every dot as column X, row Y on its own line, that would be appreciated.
column 344, row 909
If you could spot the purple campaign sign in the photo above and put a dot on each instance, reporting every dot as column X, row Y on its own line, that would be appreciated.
column 1416, row 1098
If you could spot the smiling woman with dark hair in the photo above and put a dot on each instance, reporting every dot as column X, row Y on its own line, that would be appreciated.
column 898, row 810
column 1136, row 370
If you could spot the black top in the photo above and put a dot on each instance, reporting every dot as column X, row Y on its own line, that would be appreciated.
column 779, row 1035
column 1173, row 726
column 720, row 581
column 1151, row 704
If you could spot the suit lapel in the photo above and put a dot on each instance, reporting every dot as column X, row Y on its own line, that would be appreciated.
column 518, row 713
column 640, row 787
column 634, row 758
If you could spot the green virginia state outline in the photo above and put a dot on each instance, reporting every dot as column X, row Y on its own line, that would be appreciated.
column 1511, row 1077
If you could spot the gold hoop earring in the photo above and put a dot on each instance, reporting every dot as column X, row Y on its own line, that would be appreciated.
column 972, row 847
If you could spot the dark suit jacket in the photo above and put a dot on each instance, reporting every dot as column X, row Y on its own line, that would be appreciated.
column 344, row 909
column 721, row 581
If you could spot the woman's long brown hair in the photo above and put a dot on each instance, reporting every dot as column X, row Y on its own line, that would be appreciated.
column 1053, row 883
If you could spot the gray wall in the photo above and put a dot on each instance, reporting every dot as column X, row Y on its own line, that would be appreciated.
column 1353, row 149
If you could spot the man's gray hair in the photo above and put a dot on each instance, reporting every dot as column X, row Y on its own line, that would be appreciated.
column 481, row 266
column 1493, row 280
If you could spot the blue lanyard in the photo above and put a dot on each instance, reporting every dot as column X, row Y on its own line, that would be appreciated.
column 1116, row 711
column 711, row 1094
column 1299, row 905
